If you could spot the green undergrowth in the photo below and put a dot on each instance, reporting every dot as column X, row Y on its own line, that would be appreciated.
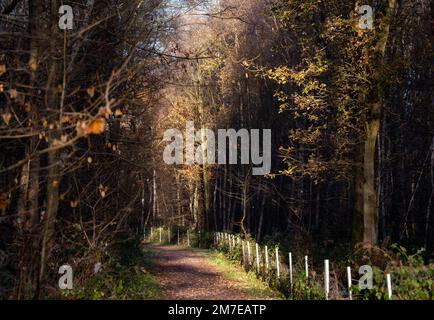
column 126, row 274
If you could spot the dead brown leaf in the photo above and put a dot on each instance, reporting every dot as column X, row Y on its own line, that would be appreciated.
column 6, row 117
column 91, row 91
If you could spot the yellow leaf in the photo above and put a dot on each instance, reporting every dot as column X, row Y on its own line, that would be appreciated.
column 33, row 64
column 89, row 160
column 118, row 113
column 74, row 203
column 2, row 69
column 66, row 119
column 7, row 117
column 103, row 190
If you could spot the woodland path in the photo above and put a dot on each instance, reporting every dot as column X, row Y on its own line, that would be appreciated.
column 187, row 275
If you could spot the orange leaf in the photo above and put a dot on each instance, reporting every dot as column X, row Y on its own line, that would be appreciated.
column 96, row 126
column 2, row 69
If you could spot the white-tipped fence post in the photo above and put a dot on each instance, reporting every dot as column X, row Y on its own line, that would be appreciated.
column 306, row 267
column 152, row 235
column 266, row 258
column 233, row 241
column 169, row 235
column 249, row 253
column 290, row 269
column 277, row 263
column 188, row 238
column 389, row 286
column 161, row 239
column 326, row 278
column 257, row 257
column 144, row 233
column 178, row 237
column 349, row 279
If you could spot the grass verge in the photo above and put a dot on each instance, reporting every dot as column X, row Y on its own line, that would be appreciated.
column 125, row 275
column 246, row 282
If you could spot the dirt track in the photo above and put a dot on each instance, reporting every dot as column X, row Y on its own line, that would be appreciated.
column 186, row 275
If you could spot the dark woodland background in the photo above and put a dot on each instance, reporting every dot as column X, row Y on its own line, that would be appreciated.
column 83, row 112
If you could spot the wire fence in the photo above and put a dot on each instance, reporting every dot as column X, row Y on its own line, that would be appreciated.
column 293, row 276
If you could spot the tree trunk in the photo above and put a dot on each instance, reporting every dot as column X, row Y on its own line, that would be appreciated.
column 365, row 202
column 53, row 174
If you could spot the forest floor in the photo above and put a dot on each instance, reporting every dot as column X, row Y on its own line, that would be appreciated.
column 194, row 274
